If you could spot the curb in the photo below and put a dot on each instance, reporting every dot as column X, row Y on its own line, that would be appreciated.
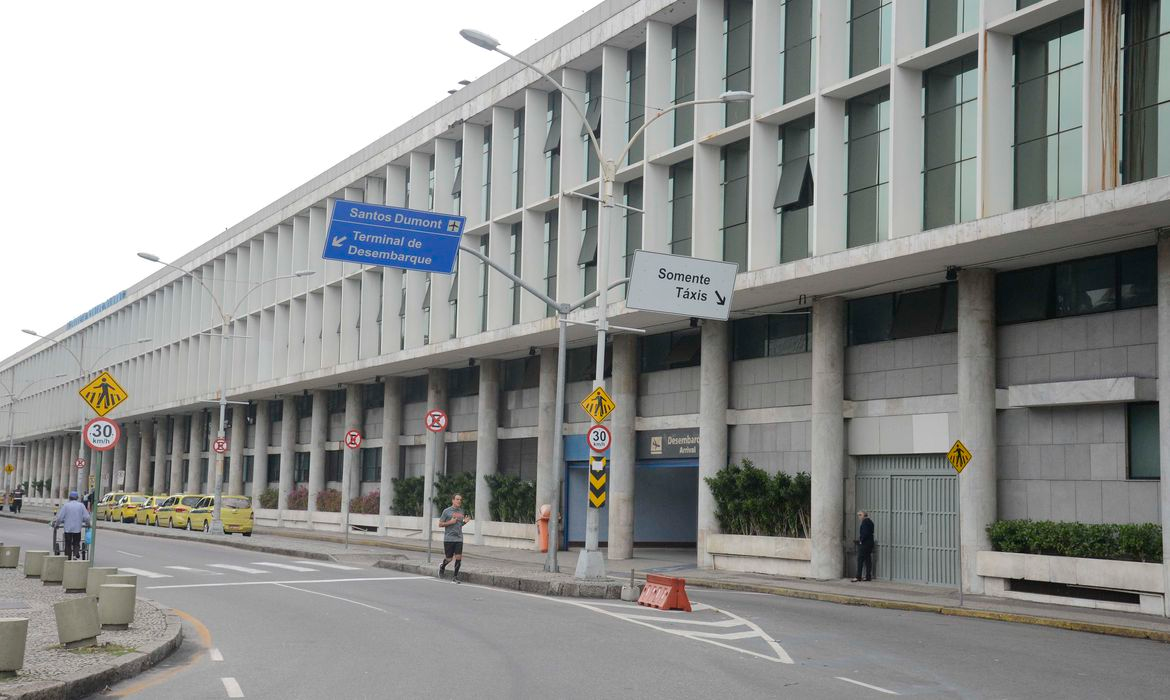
column 85, row 683
column 604, row 590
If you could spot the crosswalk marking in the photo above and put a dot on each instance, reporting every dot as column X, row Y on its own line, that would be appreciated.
column 232, row 687
column 289, row 567
column 343, row 567
column 194, row 570
column 241, row 569
column 142, row 572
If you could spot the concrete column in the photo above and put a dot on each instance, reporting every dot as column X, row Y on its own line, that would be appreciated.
column 235, row 476
column 145, row 440
column 391, row 436
column 260, row 451
column 288, row 443
column 351, row 463
column 977, row 483
column 159, row 482
column 130, row 459
column 59, row 452
column 546, row 432
column 195, row 452
column 33, row 465
column 487, row 441
column 182, row 427
column 436, row 452
column 622, row 453
column 317, row 434
column 1164, row 401
column 109, row 476
column 828, row 437
column 713, row 382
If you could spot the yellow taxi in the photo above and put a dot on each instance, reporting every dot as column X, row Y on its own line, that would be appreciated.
column 175, row 510
column 148, row 511
column 107, row 501
column 235, row 512
column 127, row 507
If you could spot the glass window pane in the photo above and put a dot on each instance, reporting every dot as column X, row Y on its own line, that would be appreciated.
column 1070, row 97
column 798, row 71
column 1022, row 295
column 942, row 137
column 735, row 245
column 1139, row 278
column 968, row 176
column 1031, row 120
column 870, row 319
column 749, row 338
column 794, row 234
column 1070, row 164
column 787, row 333
column 949, row 323
column 1143, row 441
column 862, row 214
column 1031, row 173
column 917, row 313
column 1085, row 286
column 865, row 43
column 939, row 192
column 941, row 20
column 864, row 162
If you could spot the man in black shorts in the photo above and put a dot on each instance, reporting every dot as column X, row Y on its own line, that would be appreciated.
column 452, row 521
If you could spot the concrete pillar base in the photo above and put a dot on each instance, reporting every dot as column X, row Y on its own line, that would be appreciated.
column 95, row 577
column 77, row 622
column 34, row 561
column 120, row 579
column 590, row 566
column 9, row 557
column 116, row 607
column 13, row 635
column 53, row 569
column 76, row 575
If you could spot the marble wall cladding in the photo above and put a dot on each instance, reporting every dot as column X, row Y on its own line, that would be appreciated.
column 773, row 447
column 519, row 408
column 922, row 366
column 769, row 382
column 1096, row 346
column 668, row 393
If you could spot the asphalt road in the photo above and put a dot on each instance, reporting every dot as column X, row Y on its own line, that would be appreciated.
column 266, row 626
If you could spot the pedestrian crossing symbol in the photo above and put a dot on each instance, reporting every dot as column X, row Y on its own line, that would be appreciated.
column 598, row 405
column 598, row 481
column 959, row 456
column 103, row 394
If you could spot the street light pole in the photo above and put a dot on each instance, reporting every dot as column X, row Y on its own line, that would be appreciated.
column 590, row 564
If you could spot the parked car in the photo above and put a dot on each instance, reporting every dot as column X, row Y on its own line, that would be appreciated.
column 174, row 511
column 108, row 500
column 127, row 507
column 235, row 514
column 148, row 512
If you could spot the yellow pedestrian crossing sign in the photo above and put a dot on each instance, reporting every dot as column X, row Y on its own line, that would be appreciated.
column 598, row 405
column 959, row 456
column 103, row 394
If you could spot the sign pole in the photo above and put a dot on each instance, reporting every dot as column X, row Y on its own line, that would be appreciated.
column 428, row 486
column 959, row 456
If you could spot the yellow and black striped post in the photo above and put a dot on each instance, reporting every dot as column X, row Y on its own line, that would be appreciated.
column 598, row 481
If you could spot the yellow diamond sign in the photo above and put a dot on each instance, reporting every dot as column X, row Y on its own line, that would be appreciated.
column 959, row 456
column 598, row 405
column 103, row 394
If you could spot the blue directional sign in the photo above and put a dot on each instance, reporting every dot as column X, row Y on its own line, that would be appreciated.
column 392, row 237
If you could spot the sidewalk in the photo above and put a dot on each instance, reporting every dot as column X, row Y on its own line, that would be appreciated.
column 524, row 570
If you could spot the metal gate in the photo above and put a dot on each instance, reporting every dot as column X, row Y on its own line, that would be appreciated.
column 913, row 501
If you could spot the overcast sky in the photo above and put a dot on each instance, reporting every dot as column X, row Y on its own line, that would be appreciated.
column 153, row 126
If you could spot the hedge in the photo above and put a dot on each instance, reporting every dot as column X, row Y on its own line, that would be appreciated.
column 1138, row 542
column 367, row 504
column 513, row 499
column 750, row 502
column 408, row 496
column 298, row 499
column 447, row 485
column 269, row 498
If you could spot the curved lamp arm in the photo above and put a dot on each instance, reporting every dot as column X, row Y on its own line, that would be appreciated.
column 214, row 299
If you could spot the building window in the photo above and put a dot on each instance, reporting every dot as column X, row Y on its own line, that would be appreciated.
column 457, row 184
column 552, row 143
column 950, row 119
column 373, row 396
column 453, row 301
column 737, row 53
column 426, row 311
column 335, row 401
column 868, row 147
column 372, row 464
column 1145, row 118
column 550, row 256
column 333, row 465
column 273, row 470
column 461, row 457
column 770, row 336
column 1103, row 283
column 463, row 381
column 671, row 350
column 402, row 313
column 486, row 190
column 519, row 457
column 587, row 258
column 515, row 243
column 1048, row 91
column 633, row 198
column 300, row 467
column 431, row 183
column 794, row 194
column 796, row 57
column 1143, row 451
column 249, row 465
column 635, row 99
column 518, row 158
column 682, row 68
column 870, row 22
column 592, row 121
column 733, row 165
column 910, row 314
column 678, row 192
column 948, row 18
column 521, row 373
column 484, row 243
column 581, row 363
column 414, row 389
column 1021, row 4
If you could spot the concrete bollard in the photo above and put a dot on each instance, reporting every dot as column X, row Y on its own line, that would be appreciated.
column 34, row 561
column 122, row 579
column 9, row 557
column 77, row 622
column 74, row 579
column 95, row 577
column 53, row 569
column 116, row 606
column 13, row 634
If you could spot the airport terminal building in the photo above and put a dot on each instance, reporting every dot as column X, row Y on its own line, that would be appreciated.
column 948, row 220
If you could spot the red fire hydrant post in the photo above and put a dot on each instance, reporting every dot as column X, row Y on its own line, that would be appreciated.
column 542, row 527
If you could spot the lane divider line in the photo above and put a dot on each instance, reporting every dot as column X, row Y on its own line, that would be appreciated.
column 142, row 572
column 277, row 583
column 327, row 565
column 130, row 554
column 232, row 687
column 216, row 655
column 334, row 597
column 866, row 685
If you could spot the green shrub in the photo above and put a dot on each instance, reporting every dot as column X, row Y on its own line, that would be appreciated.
column 329, row 501
column 367, row 504
column 1138, row 542
column 269, row 498
column 408, row 496
column 298, row 499
column 750, row 502
column 513, row 499
column 447, row 485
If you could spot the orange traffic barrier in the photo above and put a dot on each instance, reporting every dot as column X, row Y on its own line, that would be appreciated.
column 665, row 593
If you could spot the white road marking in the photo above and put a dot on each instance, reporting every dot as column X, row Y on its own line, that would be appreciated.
column 685, row 621
column 334, row 597
column 216, row 655
column 194, row 570
column 866, row 685
column 272, row 583
column 131, row 554
column 241, row 569
column 343, row 567
column 142, row 572
column 290, row 567
column 232, row 687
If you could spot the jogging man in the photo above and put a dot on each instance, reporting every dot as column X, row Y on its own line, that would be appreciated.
column 452, row 521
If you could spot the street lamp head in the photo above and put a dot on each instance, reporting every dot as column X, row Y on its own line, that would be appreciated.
column 149, row 256
column 304, row 273
column 27, row 331
column 480, row 39
column 736, row 96
column 144, row 340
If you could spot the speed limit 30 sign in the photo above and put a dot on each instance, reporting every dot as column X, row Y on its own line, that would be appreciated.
column 102, row 434
column 599, row 438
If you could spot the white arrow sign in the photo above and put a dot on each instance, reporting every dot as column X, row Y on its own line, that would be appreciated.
column 338, row 241
column 681, row 285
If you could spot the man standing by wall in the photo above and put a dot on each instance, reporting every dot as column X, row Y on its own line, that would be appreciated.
column 452, row 520
column 73, row 516
column 864, row 547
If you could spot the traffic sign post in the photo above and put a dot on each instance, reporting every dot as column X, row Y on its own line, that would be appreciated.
column 436, row 422
column 681, row 285
column 353, row 441
column 600, row 438
column 598, row 405
column 101, row 434
column 103, row 394
column 959, row 456
column 407, row 239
